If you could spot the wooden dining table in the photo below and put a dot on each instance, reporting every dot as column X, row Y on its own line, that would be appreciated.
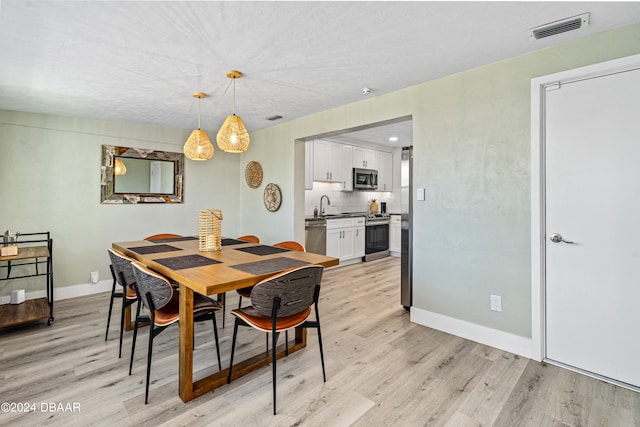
column 237, row 265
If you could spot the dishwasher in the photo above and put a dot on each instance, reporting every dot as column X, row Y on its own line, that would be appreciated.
column 315, row 236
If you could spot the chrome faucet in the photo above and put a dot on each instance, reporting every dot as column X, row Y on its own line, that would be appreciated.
column 328, row 203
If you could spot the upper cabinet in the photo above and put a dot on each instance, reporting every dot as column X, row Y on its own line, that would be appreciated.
column 364, row 158
column 385, row 171
column 347, row 170
column 327, row 161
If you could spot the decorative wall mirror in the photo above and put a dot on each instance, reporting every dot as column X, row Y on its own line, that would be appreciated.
column 138, row 175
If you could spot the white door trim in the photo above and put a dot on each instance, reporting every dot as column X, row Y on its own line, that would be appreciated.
column 537, row 182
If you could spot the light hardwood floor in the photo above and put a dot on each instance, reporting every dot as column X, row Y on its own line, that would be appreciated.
column 382, row 370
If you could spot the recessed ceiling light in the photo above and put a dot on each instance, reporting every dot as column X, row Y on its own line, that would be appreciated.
column 366, row 91
column 393, row 139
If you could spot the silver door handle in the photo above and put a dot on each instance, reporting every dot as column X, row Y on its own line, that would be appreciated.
column 557, row 238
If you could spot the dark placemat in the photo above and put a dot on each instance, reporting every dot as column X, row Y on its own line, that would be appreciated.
column 262, row 250
column 175, row 239
column 187, row 261
column 269, row 265
column 229, row 242
column 155, row 249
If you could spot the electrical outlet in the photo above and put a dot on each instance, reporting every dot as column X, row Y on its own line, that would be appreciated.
column 95, row 276
column 496, row 303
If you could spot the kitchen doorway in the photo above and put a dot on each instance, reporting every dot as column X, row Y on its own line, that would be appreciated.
column 393, row 136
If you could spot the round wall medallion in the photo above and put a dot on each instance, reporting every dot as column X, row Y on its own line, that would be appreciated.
column 272, row 197
column 253, row 174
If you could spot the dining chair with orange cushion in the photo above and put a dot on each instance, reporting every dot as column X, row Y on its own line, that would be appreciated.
column 279, row 303
column 162, row 302
column 163, row 236
column 249, row 238
column 123, row 276
column 289, row 244
column 294, row 246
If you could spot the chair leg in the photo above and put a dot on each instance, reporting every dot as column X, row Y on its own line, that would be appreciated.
column 324, row 376
column 135, row 334
column 113, row 294
column 286, row 342
column 149, row 353
column 273, row 366
column 124, row 305
column 215, row 334
column 239, row 301
column 133, row 344
column 233, row 347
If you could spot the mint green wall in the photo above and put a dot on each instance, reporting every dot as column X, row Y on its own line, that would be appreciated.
column 471, row 153
column 50, row 181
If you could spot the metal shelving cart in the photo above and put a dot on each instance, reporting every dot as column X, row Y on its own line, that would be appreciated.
column 35, row 250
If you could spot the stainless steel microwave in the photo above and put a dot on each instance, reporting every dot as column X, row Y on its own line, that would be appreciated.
column 365, row 179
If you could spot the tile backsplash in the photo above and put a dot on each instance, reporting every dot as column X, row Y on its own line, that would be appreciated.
column 347, row 201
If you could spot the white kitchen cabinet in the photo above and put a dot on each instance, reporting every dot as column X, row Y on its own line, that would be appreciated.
column 308, row 165
column 327, row 161
column 345, row 239
column 364, row 158
column 347, row 169
column 384, row 161
column 395, row 233
column 358, row 238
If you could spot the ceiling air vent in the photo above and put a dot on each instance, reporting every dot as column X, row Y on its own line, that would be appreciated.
column 274, row 118
column 558, row 27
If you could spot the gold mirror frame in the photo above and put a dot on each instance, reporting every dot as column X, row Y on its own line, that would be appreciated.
column 107, row 182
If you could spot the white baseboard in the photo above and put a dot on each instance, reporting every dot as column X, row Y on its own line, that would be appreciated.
column 67, row 292
column 492, row 337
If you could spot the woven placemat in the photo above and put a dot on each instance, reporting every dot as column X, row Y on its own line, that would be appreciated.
column 262, row 250
column 229, row 242
column 269, row 265
column 187, row 261
column 175, row 239
column 155, row 249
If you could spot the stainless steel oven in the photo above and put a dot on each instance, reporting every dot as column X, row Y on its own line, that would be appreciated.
column 376, row 243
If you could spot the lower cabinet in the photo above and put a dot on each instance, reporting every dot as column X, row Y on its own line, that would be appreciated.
column 359, row 240
column 345, row 238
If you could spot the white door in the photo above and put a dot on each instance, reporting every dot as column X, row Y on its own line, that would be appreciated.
column 592, row 292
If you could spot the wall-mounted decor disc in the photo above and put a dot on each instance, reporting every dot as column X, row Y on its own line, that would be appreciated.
column 272, row 197
column 253, row 174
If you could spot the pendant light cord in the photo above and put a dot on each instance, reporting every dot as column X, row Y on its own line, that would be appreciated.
column 234, row 96
column 199, row 113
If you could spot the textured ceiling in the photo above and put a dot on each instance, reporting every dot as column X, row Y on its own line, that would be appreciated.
column 141, row 61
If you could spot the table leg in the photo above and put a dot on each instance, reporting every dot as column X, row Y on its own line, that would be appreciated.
column 185, row 368
column 128, row 324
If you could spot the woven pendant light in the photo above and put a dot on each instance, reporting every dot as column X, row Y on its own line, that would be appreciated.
column 233, row 136
column 199, row 146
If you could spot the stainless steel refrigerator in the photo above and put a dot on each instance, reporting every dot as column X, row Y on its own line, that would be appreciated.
column 406, row 232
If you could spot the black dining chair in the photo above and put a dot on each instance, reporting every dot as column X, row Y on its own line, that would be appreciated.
column 162, row 302
column 123, row 276
column 279, row 303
